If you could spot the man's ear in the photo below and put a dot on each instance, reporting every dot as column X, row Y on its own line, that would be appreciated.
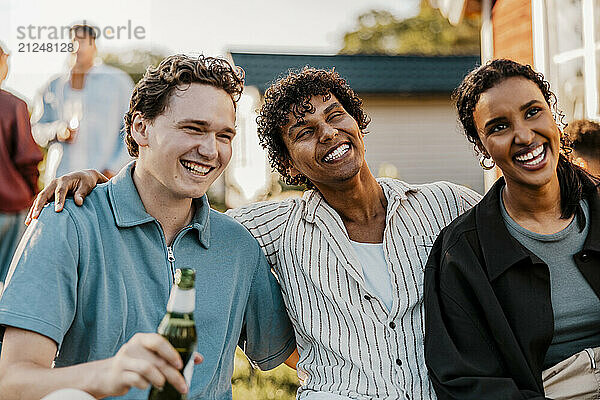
column 139, row 129
column 293, row 172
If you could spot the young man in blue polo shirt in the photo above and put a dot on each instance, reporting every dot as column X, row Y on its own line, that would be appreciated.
column 92, row 282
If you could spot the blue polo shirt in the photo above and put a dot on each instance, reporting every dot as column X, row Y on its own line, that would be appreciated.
column 91, row 277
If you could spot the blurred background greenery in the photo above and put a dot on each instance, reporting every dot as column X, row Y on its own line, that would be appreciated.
column 280, row 383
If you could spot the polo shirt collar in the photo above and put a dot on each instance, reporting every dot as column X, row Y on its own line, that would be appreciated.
column 129, row 211
column 500, row 250
column 394, row 190
column 201, row 220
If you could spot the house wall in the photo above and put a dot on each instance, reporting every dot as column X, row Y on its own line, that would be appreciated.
column 420, row 137
column 512, row 27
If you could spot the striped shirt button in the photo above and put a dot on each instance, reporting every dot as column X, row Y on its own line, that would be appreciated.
column 367, row 297
column 392, row 325
column 398, row 362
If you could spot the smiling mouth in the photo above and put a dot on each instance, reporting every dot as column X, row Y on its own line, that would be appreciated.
column 533, row 157
column 195, row 168
column 337, row 153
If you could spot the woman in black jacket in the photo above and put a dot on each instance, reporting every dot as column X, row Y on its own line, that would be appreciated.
column 512, row 287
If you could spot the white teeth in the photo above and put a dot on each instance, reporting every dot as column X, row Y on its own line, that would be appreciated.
column 196, row 168
column 535, row 162
column 337, row 153
column 530, row 156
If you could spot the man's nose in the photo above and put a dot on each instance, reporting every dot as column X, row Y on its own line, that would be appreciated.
column 328, row 132
column 207, row 147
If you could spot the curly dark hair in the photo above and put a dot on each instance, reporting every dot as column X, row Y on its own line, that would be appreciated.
column 467, row 94
column 575, row 183
column 291, row 95
column 152, row 93
column 585, row 136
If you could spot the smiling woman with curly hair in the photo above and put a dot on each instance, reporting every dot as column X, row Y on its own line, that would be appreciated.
column 512, row 286
column 292, row 95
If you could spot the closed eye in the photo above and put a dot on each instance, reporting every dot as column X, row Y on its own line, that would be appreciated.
column 192, row 129
column 303, row 133
column 334, row 116
column 226, row 136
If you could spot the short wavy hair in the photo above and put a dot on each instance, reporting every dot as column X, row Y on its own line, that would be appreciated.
column 152, row 93
column 291, row 95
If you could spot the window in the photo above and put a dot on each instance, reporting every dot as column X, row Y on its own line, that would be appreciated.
column 573, row 47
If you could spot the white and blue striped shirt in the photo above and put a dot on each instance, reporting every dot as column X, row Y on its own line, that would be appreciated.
column 350, row 344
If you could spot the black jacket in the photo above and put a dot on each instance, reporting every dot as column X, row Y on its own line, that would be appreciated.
column 488, row 314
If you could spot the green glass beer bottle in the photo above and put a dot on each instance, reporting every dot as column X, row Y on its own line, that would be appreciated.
column 178, row 327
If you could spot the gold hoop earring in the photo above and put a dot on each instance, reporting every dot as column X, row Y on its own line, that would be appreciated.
column 484, row 166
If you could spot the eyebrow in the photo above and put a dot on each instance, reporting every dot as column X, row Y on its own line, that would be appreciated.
column 298, row 124
column 528, row 104
column 302, row 122
column 331, row 107
column 191, row 121
column 493, row 121
column 523, row 107
column 199, row 122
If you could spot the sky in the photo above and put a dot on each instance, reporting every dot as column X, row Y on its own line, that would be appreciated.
column 191, row 27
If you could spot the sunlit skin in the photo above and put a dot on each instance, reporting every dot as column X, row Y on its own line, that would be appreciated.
column 345, row 182
column 513, row 120
column 197, row 127
column 309, row 140
column 3, row 66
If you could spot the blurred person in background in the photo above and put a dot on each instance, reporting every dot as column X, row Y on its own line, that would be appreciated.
column 585, row 136
column 19, row 158
column 81, row 115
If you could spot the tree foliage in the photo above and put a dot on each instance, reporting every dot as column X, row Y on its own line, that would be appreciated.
column 428, row 33
column 133, row 62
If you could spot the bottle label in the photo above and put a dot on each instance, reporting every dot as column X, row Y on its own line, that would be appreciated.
column 188, row 370
column 182, row 301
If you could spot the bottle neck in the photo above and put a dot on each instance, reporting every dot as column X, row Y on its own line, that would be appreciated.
column 181, row 301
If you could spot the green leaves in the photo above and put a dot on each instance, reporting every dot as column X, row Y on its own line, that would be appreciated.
column 429, row 33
